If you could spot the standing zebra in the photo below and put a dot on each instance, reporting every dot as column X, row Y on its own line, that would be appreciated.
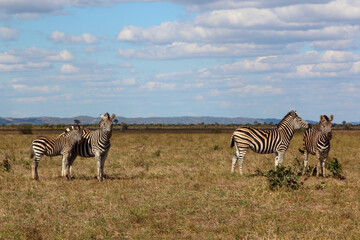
column 266, row 141
column 317, row 142
column 62, row 145
column 94, row 144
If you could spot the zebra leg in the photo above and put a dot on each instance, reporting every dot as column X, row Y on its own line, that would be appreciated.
column 279, row 156
column 71, row 161
column 64, row 166
column 241, row 160
column 239, row 156
column 319, row 163
column 103, row 158
column 98, row 165
column 235, row 159
column 65, row 161
column 34, row 168
column 324, row 165
column 306, row 155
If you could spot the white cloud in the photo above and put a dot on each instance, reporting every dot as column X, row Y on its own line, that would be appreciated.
column 30, row 99
column 177, row 50
column 158, row 85
column 60, row 37
column 244, row 17
column 355, row 67
column 199, row 97
column 62, row 56
column 8, row 58
column 24, row 88
column 8, row 34
column 215, row 92
column 256, row 90
column 129, row 81
column 69, row 69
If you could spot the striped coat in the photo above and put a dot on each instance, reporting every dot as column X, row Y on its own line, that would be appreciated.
column 62, row 145
column 317, row 142
column 266, row 141
column 94, row 144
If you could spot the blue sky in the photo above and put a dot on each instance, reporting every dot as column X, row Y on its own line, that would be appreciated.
column 180, row 58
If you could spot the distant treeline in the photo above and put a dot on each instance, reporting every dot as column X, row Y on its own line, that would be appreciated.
column 27, row 128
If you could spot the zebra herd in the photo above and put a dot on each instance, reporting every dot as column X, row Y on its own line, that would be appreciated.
column 75, row 141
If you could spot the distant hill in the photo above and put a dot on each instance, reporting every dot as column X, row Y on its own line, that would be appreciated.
column 150, row 120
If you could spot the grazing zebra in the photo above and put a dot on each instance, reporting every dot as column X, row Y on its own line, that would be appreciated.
column 94, row 144
column 317, row 142
column 62, row 145
column 266, row 141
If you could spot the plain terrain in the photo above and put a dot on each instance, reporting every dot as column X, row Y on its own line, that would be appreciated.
column 175, row 185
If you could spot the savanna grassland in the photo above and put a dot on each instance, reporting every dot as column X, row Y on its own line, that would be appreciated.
column 175, row 186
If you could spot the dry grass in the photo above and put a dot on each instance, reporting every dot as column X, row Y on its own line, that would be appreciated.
column 175, row 185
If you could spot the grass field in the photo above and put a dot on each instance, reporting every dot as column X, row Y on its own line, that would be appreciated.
column 175, row 186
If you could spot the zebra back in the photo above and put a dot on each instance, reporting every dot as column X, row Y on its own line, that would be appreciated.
column 268, row 141
column 55, row 146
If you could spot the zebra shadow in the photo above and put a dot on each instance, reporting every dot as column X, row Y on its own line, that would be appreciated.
column 107, row 177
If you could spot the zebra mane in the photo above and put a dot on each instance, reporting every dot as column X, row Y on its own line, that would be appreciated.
column 68, row 130
column 291, row 114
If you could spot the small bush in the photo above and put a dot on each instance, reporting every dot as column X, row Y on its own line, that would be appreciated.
column 157, row 153
column 282, row 177
column 5, row 165
column 335, row 168
column 25, row 129
column 216, row 147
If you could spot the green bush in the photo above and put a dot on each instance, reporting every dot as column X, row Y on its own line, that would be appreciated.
column 335, row 168
column 282, row 177
column 5, row 165
column 25, row 129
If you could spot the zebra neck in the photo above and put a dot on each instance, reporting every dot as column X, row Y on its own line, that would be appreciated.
column 104, row 136
column 288, row 131
column 325, row 137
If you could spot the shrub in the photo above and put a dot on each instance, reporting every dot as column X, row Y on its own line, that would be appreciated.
column 157, row 153
column 5, row 165
column 25, row 129
column 335, row 168
column 282, row 177
column 216, row 147
column 124, row 127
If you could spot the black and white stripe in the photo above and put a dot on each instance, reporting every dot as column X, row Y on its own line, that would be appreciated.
column 95, row 144
column 266, row 141
column 62, row 145
column 317, row 142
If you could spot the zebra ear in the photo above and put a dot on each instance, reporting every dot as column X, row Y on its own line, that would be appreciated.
column 102, row 116
column 331, row 117
column 112, row 116
column 321, row 117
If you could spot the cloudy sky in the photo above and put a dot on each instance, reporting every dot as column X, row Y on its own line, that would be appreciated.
column 228, row 58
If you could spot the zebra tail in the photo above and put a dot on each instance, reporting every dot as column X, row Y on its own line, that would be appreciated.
column 301, row 150
column 232, row 141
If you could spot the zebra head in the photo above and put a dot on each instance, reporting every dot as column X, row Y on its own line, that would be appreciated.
column 74, row 134
column 293, row 119
column 325, row 125
column 106, row 122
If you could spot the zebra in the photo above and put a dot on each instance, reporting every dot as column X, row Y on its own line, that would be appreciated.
column 93, row 144
column 61, row 145
column 266, row 141
column 317, row 142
